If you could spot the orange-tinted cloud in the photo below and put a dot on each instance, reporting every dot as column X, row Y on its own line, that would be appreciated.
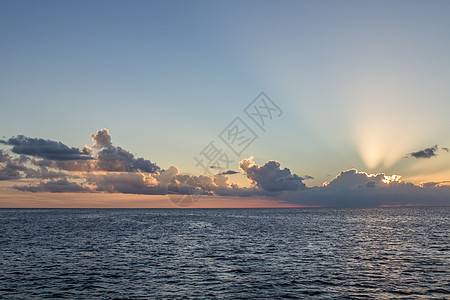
column 113, row 170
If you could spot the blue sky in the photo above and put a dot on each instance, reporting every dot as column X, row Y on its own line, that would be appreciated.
column 361, row 84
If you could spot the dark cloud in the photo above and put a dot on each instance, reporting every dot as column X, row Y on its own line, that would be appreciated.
column 116, row 159
column 134, row 183
column 55, row 186
column 351, row 179
column 371, row 184
column 9, row 172
column 47, row 149
column 57, row 156
column 432, row 184
column 445, row 149
column 167, row 182
column 4, row 157
column 112, row 169
column 349, row 188
column 146, row 184
column 9, row 168
column 68, row 165
column 352, row 188
column 45, row 173
column 270, row 177
column 229, row 172
column 425, row 153
column 108, row 159
column 86, row 150
column 15, row 168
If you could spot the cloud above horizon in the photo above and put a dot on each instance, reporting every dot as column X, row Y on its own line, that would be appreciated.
column 270, row 177
column 108, row 158
column 353, row 188
column 427, row 152
column 39, row 165
column 47, row 149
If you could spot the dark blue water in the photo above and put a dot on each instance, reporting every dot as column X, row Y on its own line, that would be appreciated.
column 370, row 253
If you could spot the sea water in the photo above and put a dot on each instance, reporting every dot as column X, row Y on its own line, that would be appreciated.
column 303, row 253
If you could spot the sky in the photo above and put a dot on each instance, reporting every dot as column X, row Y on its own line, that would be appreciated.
column 113, row 104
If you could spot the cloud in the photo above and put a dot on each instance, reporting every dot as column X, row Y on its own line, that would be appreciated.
column 68, row 165
column 12, row 168
column 109, row 159
column 116, row 159
column 8, row 172
column 349, row 188
column 425, row 153
column 46, row 149
column 60, row 163
column 229, row 172
column 9, row 167
column 445, row 149
column 4, row 157
column 168, row 182
column 101, row 139
column 45, row 173
column 432, row 184
column 56, row 186
column 56, row 168
column 127, row 183
column 352, row 188
column 86, row 150
column 354, row 179
column 270, row 177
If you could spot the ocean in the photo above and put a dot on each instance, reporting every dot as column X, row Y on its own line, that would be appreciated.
column 294, row 253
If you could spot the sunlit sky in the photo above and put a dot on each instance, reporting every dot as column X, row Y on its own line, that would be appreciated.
column 361, row 84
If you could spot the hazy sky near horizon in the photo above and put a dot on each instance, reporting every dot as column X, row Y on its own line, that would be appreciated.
column 361, row 84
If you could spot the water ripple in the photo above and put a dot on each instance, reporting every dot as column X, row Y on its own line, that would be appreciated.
column 378, row 253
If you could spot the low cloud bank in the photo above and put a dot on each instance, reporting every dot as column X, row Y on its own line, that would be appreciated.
column 50, row 166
